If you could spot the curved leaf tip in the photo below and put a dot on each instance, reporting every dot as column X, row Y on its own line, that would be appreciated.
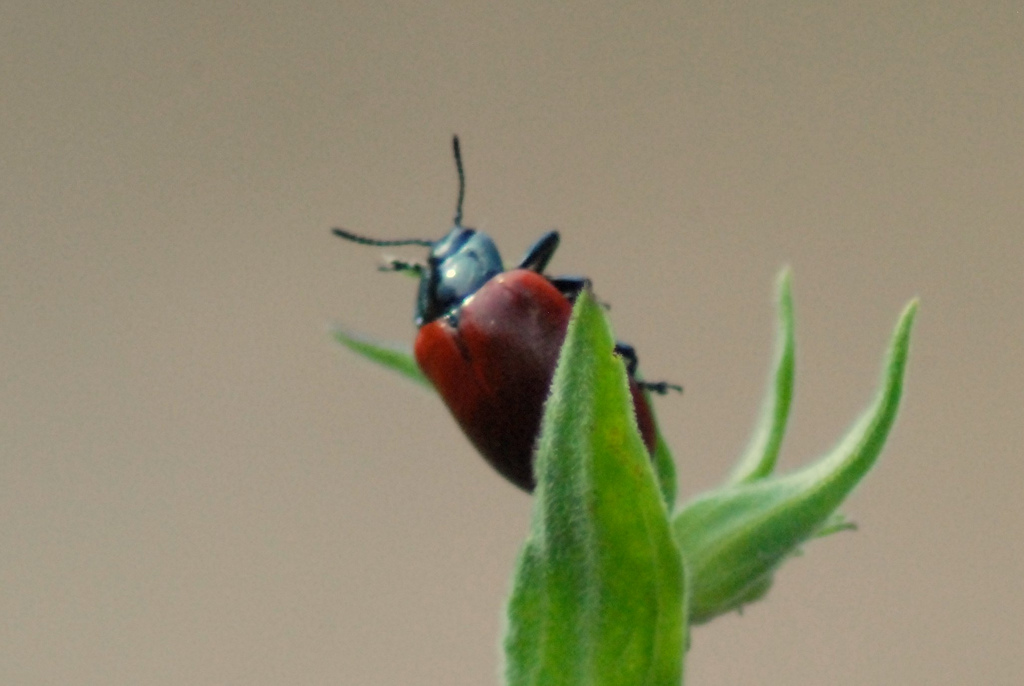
column 394, row 357
column 734, row 538
column 762, row 452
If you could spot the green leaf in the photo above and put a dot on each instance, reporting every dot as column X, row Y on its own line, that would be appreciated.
column 597, row 598
column 664, row 468
column 759, row 459
column 391, row 356
column 733, row 539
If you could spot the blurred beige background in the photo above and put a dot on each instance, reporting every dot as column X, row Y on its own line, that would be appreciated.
column 198, row 487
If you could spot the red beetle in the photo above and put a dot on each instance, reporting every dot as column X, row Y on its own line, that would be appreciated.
column 489, row 339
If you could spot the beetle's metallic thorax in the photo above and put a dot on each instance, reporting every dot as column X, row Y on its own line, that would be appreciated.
column 458, row 265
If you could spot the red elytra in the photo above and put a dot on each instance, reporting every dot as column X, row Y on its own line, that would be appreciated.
column 493, row 365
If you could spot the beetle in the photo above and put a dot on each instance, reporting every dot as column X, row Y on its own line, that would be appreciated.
column 489, row 338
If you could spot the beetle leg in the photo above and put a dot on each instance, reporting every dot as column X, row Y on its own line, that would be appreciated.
column 660, row 387
column 628, row 354
column 393, row 264
column 570, row 286
column 540, row 253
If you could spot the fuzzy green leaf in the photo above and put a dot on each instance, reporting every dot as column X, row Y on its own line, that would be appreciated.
column 664, row 469
column 734, row 538
column 391, row 356
column 597, row 597
column 759, row 459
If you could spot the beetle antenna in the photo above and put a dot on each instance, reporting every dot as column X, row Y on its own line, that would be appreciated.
column 462, row 180
column 363, row 240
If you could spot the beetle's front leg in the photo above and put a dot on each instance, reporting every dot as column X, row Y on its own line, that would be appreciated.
column 393, row 264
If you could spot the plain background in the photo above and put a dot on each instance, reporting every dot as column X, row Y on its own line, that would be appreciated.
column 197, row 486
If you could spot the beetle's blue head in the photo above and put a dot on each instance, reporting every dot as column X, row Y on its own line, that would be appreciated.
column 457, row 266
